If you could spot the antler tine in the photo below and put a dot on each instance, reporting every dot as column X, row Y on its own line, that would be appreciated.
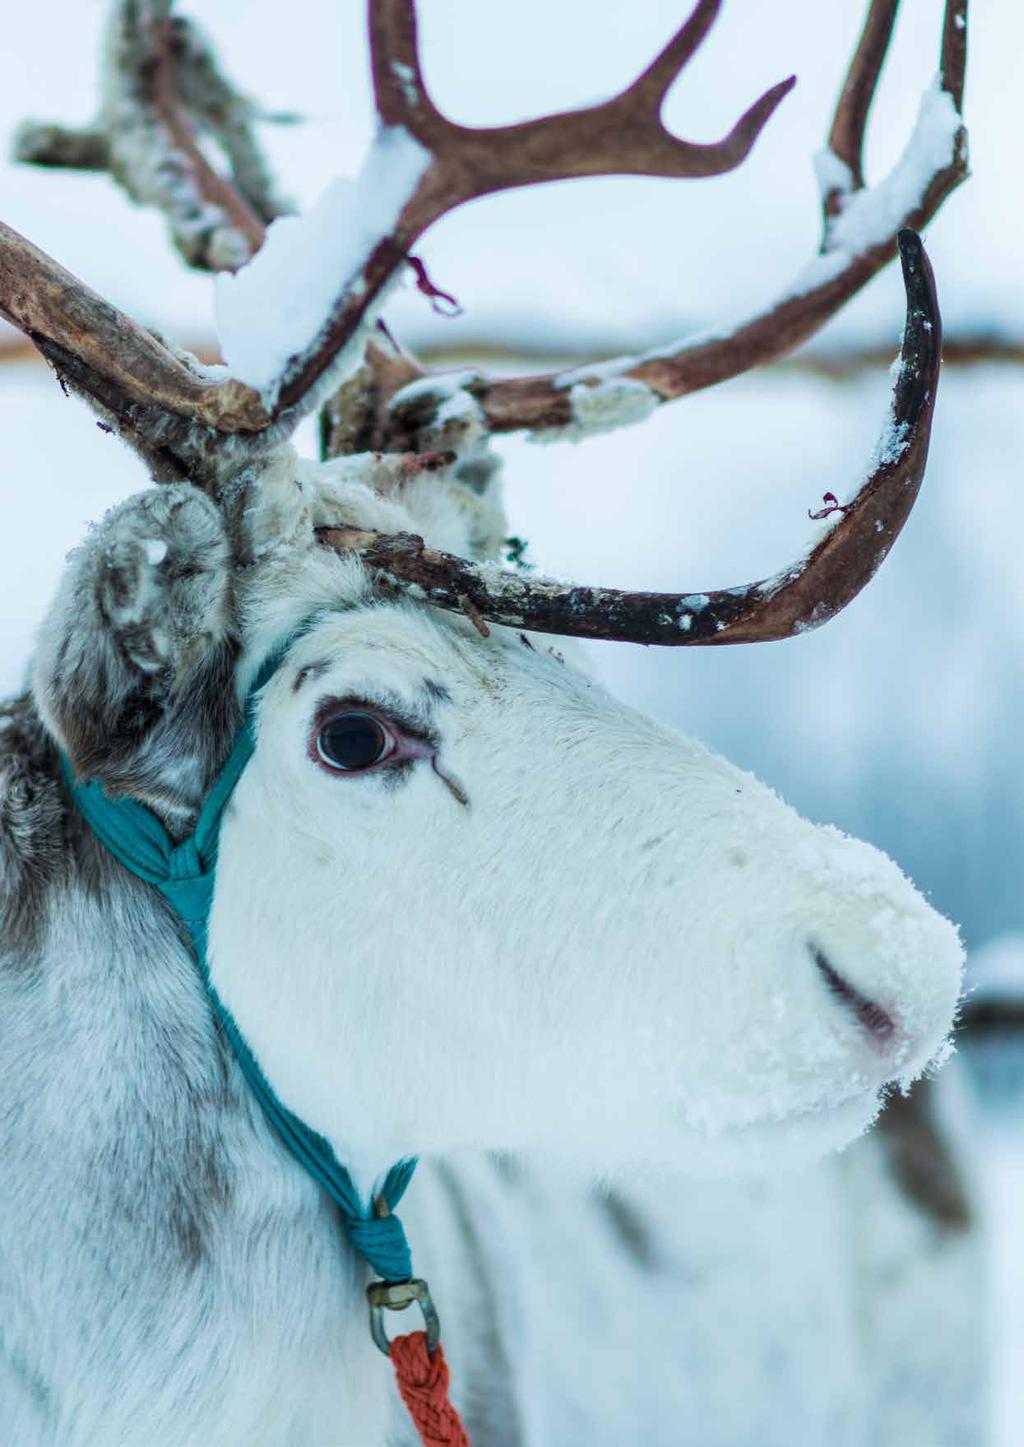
column 399, row 89
column 846, row 138
column 953, row 56
column 646, row 96
column 800, row 598
column 655, row 82
column 244, row 229
column 545, row 402
column 620, row 136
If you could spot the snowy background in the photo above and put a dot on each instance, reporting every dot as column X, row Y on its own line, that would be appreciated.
column 901, row 721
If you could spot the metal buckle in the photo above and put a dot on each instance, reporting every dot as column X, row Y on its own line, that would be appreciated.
column 397, row 1296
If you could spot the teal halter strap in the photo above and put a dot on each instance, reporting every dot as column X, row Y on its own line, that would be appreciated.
column 184, row 874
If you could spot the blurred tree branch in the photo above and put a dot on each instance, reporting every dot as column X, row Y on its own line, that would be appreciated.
column 840, row 363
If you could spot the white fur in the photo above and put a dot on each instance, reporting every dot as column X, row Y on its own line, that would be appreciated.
column 621, row 963
column 602, row 962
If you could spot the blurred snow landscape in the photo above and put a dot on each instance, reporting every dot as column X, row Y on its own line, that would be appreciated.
column 900, row 721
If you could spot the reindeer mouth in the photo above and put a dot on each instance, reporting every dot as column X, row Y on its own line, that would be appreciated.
column 773, row 1142
column 877, row 1023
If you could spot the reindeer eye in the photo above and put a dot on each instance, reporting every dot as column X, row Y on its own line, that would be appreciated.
column 353, row 741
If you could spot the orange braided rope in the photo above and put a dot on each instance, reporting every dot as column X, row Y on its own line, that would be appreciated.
column 423, row 1383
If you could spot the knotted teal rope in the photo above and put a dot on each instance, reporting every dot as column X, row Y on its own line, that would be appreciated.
column 184, row 874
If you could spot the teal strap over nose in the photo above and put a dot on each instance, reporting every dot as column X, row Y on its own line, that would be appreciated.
column 184, row 873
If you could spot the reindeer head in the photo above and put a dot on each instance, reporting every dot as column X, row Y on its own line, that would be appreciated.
column 467, row 897
column 464, row 896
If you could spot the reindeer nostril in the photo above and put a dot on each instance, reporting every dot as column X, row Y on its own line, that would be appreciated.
column 876, row 1021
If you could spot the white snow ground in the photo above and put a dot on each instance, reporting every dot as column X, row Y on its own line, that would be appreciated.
column 901, row 719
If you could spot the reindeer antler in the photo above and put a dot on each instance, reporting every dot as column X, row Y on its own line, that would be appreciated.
column 859, row 228
column 803, row 596
column 173, row 415
column 624, row 135
column 621, row 136
column 180, row 417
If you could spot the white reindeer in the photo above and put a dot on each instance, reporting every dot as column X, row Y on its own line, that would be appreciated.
column 466, row 903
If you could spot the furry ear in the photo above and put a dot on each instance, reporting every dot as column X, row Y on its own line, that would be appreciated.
column 132, row 668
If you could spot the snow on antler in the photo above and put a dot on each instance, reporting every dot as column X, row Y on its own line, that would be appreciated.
column 274, row 309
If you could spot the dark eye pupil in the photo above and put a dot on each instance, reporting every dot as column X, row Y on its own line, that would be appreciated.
column 352, row 741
